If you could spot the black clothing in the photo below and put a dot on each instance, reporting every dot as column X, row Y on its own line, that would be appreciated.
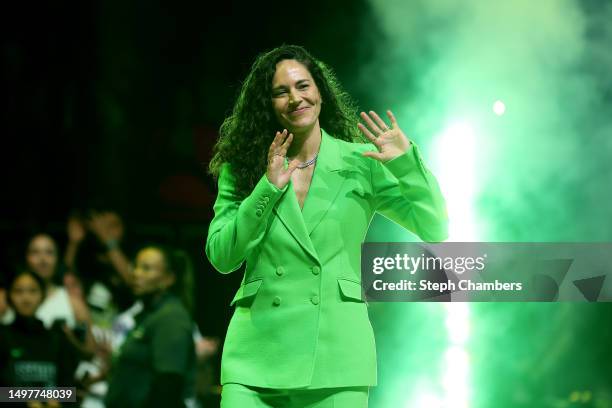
column 33, row 356
column 157, row 361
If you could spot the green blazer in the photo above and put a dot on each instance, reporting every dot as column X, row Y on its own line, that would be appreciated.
column 299, row 318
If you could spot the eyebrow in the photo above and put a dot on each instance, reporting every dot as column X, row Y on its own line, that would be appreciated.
column 297, row 83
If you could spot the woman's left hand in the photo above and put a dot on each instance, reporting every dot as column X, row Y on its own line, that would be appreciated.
column 390, row 141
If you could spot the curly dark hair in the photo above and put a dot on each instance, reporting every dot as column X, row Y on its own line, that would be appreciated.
column 246, row 135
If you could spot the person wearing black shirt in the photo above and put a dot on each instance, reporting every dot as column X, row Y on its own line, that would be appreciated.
column 155, row 366
column 30, row 354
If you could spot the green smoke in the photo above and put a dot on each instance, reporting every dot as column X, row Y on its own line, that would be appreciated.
column 539, row 172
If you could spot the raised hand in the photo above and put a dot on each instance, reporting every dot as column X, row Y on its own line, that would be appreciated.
column 276, row 172
column 390, row 141
column 75, row 229
column 107, row 226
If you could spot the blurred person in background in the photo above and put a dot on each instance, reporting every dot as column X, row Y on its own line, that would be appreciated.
column 63, row 306
column 95, row 253
column 32, row 355
column 98, row 273
column 58, row 306
column 155, row 365
column 207, row 391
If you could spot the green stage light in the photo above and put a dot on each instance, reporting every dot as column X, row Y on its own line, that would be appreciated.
column 454, row 167
column 455, row 380
column 499, row 108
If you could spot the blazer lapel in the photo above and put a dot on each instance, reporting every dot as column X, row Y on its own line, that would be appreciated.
column 326, row 182
column 324, row 188
column 288, row 210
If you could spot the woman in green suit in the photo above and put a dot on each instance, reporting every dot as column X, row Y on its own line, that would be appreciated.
column 295, row 205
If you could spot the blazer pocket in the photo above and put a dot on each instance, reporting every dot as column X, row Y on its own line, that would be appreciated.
column 247, row 291
column 350, row 290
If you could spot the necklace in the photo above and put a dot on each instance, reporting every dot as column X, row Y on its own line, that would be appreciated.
column 306, row 163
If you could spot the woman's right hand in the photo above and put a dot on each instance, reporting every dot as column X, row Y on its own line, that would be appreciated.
column 276, row 172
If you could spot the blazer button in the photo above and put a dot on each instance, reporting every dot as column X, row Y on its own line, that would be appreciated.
column 280, row 271
column 316, row 270
column 276, row 301
column 258, row 212
column 315, row 300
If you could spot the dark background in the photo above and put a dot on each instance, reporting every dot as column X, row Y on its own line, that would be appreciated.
column 115, row 104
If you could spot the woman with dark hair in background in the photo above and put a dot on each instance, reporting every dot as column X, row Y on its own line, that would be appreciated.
column 155, row 366
column 41, row 257
column 30, row 354
column 297, row 192
column 58, row 307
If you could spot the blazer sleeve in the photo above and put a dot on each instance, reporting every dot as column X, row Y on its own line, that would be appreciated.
column 406, row 192
column 239, row 224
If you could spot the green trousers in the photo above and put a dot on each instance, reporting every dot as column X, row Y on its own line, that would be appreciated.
column 244, row 396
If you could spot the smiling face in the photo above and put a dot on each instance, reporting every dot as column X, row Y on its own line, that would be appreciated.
column 150, row 273
column 41, row 256
column 26, row 295
column 295, row 97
